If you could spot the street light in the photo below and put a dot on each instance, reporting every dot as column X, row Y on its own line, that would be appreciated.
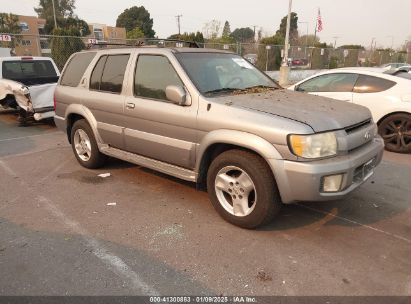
column 285, row 69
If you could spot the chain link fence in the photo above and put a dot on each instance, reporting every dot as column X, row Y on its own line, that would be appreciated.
column 266, row 57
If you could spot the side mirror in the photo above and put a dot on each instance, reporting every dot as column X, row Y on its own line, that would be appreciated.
column 177, row 95
column 298, row 89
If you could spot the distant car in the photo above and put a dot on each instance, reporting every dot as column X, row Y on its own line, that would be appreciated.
column 403, row 72
column 299, row 62
column 388, row 97
column 28, row 83
column 391, row 66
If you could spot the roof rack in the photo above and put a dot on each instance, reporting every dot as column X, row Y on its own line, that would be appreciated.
column 141, row 42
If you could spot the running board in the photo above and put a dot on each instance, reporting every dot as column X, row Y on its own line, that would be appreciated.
column 156, row 165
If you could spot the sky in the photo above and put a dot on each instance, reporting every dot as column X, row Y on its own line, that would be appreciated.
column 352, row 21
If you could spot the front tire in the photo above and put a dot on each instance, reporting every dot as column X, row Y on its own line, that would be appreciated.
column 396, row 132
column 85, row 146
column 242, row 189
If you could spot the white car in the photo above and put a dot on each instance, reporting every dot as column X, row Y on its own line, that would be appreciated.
column 28, row 83
column 388, row 98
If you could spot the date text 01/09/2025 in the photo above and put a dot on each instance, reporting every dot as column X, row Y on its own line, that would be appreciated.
column 203, row 299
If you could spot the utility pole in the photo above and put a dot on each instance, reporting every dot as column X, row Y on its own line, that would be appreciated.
column 54, row 13
column 335, row 41
column 392, row 41
column 254, row 26
column 178, row 24
column 285, row 69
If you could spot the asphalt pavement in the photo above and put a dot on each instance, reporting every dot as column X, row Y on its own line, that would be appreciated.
column 66, row 231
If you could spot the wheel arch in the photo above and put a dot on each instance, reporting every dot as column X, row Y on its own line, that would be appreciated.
column 391, row 113
column 217, row 142
column 75, row 112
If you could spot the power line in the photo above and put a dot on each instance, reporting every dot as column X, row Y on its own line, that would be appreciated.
column 178, row 23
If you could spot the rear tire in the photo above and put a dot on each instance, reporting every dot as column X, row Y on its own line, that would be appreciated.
column 85, row 146
column 396, row 132
column 242, row 189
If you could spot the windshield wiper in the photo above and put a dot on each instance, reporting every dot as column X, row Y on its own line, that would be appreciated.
column 261, row 87
column 222, row 90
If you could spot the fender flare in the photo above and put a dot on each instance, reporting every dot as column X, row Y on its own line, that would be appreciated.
column 237, row 138
column 88, row 116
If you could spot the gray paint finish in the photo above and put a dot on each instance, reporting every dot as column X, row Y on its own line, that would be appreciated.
column 174, row 139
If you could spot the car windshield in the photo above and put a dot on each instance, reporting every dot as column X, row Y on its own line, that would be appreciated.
column 219, row 73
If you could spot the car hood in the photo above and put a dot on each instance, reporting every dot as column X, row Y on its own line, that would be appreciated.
column 320, row 113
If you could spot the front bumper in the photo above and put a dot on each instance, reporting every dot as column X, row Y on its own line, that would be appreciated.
column 301, row 181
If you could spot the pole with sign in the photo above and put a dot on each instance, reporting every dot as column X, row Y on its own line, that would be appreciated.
column 6, row 38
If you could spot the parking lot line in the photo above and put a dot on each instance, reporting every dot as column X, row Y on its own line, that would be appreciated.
column 30, row 136
column 31, row 153
column 115, row 263
column 357, row 223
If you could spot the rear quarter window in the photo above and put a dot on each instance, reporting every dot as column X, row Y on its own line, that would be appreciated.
column 75, row 69
column 108, row 74
column 371, row 84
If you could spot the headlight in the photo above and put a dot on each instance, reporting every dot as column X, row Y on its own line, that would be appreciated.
column 313, row 146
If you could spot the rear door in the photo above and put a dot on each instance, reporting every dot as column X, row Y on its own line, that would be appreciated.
column 373, row 92
column 156, row 127
column 336, row 85
column 105, row 99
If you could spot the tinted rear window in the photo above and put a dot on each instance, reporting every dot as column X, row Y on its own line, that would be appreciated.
column 113, row 75
column 371, row 84
column 108, row 74
column 29, row 72
column 75, row 69
column 95, row 78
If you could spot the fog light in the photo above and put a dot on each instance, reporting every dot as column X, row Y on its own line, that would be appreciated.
column 332, row 183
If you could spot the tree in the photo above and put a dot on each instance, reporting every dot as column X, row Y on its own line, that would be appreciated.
column 274, row 53
column 293, row 27
column 226, row 30
column 65, row 23
column 309, row 40
column 64, row 8
column 197, row 37
column 136, row 17
column 135, row 33
column 9, row 23
column 211, row 29
column 244, row 34
column 64, row 43
column 352, row 47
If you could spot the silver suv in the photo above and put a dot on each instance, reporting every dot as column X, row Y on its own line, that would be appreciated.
column 212, row 118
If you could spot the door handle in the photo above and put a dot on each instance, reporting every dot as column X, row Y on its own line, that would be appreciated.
column 130, row 105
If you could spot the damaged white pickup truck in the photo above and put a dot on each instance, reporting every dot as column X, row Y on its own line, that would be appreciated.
column 27, row 84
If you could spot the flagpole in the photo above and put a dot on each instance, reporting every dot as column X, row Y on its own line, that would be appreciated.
column 315, row 38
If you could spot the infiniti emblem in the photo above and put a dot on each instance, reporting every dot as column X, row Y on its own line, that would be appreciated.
column 367, row 136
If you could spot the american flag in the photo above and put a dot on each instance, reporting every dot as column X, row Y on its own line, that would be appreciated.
column 319, row 22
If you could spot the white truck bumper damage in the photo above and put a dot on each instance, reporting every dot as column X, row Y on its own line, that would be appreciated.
column 36, row 100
